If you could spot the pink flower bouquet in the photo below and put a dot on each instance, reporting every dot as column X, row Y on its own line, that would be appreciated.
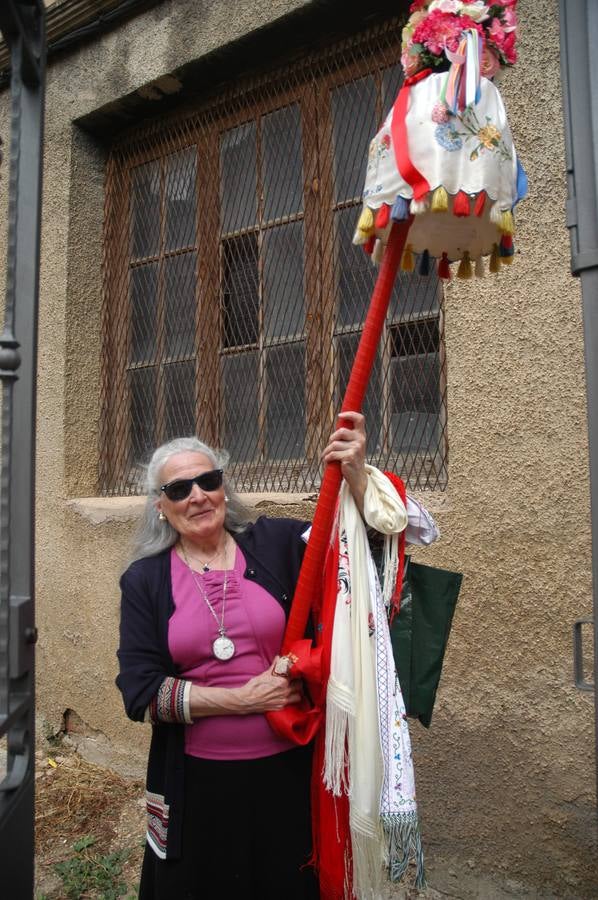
column 435, row 28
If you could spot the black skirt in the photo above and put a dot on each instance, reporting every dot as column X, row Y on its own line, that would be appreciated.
column 246, row 833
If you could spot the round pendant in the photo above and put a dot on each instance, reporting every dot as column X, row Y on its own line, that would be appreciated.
column 223, row 648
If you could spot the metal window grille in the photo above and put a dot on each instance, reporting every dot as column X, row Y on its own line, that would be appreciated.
column 234, row 298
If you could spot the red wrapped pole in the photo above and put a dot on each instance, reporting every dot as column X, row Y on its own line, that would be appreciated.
column 310, row 576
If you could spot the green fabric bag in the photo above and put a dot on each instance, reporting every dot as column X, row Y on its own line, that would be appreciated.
column 419, row 634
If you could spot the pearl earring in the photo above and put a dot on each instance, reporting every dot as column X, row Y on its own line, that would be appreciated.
column 161, row 516
column 225, row 499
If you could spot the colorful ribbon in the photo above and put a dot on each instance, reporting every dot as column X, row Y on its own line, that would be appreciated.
column 462, row 86
column 400, row 139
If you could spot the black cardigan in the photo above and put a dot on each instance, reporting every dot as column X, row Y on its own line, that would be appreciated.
column 273, row 550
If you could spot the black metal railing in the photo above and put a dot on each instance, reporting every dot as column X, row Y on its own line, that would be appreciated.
column 22, row 23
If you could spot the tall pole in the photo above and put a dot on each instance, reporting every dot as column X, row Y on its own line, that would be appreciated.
column 310, row 576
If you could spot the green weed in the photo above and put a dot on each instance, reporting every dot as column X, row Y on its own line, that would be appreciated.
column 93, row 874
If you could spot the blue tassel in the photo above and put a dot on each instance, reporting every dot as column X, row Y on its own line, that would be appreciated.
column 424, row 263
column 400, row 209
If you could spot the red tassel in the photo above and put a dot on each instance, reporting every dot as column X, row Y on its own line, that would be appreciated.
column 506, row 241
column 480, row 202
column 461, row 204
column 369, row 244
column 444, row 270
column 383, row 216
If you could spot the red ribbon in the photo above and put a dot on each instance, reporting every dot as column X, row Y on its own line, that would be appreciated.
column 400, row 140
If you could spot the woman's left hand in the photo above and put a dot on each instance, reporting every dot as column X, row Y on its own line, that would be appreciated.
column 347, row 447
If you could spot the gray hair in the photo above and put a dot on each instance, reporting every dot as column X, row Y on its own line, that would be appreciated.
column 154, row 534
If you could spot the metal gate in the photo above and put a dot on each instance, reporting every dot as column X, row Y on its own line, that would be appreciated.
column 22, row 23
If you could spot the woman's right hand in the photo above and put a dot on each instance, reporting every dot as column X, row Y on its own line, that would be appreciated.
column 269, row 691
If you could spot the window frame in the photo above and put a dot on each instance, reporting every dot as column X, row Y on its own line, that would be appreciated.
column 203, row 129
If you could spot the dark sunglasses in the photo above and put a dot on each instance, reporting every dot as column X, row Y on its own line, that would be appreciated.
column 182, row 487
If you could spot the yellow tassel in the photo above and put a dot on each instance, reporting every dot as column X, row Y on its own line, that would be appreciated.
column 408, row 259
column 440, row 200
column 507, row 226
column 366, row 221
column 494, row 265
column 465, row 268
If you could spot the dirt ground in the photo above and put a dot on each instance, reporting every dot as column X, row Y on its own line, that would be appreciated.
column 92, row 821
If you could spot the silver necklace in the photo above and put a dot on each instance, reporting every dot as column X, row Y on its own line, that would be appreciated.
column 205, row 566
column 223, row 647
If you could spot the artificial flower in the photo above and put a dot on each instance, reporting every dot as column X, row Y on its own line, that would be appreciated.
column 446, row 6
column 509, row 19
column 411, row 63
column 490, row 63
column 435, row 29
column 475, row 9
column 414, row 20
column 440, row 30
column 508, row 48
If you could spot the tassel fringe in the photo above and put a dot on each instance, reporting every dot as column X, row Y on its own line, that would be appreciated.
column 408, row 259
column 400, row 210
column 339, row 709
column 496, row 214
column 465, row 271
column 368, row 874
column 404, row 843
column 369, row 244
column 383, row 217
column 419, row 206
column 378, row 251
column 494, row 265
column 479, row 267
column 506, row 250
column 444, row 270
column 507, row 225
column 480, row 202
column 366, row 222
column 439, row 200
column 461, row 205
column 424, row 263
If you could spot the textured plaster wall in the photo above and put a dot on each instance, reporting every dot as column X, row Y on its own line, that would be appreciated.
column 506, row 773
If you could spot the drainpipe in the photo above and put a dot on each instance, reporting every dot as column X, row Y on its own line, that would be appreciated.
column 579, row 34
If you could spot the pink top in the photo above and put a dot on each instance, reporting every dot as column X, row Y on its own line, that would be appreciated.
column 255, row 621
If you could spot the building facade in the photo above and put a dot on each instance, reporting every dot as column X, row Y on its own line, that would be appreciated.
column 203, row 164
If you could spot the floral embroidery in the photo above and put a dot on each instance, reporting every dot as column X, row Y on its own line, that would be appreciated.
column 344, row 582
column 379, row 148
column 448, row 137
column 371, row 625
column 440, row 113
column 487, row 135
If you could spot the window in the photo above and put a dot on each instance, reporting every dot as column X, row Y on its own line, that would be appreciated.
column 234, row 298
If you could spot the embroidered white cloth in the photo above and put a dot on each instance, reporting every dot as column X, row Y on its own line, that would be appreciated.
column 470, row 151
column 368, row 754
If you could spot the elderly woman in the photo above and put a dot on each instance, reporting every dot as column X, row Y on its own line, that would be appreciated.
column 204, row 605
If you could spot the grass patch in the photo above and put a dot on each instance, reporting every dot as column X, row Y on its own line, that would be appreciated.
column 91, row 873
